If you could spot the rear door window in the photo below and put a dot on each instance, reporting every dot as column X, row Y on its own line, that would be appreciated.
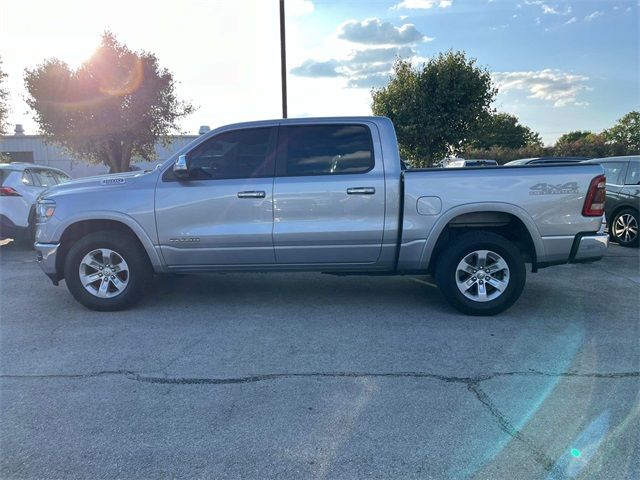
column 327, row 150
column 613, row 170
column 633, row 174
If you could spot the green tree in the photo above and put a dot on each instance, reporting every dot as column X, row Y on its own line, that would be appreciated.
column 116, row 105
column 626, row 131
column 4, row 107
column 436, row 107
column 504, row 130
column 571, row 137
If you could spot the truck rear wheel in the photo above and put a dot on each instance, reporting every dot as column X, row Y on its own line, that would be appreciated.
column 481, row 273
column 107, row 271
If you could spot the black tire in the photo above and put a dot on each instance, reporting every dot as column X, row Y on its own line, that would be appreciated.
column 625, row 215
column 139, row 275
column 463, row 246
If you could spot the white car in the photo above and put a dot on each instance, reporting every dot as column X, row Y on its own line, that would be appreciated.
column 20, row 185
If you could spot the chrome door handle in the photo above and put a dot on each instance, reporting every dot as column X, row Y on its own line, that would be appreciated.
column 252, row 194
column 361, row 191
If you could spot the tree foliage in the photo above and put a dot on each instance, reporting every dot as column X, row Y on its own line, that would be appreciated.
column 504, row 130
column 574, row 136
column 626, row 131
column 116, row 105
column 4, row 107
column 436, row 108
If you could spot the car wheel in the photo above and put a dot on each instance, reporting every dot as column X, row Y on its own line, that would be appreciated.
column 107, row 271
column 481, row 273
column 624, row 228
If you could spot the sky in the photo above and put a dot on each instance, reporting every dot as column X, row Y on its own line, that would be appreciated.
column 559, row 65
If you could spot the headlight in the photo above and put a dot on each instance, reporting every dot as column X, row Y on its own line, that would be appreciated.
column 44, row 210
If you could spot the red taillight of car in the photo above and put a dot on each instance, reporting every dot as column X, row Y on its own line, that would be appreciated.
column 594, row 203
column 8, row 192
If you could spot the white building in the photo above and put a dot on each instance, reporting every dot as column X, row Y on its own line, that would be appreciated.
column 33, row 149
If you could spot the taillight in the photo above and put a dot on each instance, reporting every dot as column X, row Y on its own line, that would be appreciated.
column 594, row 203
column 8, row 192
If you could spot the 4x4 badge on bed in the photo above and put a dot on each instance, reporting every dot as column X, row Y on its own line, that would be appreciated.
column 549, row 189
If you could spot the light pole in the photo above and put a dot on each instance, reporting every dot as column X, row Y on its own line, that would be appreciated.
column 283, row 61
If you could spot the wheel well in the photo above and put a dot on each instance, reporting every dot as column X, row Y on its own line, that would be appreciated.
column 618, row 210
column 76, row 231
column 504, row 224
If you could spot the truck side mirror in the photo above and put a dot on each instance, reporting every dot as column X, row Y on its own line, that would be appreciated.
column 181, row 168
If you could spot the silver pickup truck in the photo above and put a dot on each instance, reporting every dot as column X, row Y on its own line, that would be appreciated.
column 327, row 195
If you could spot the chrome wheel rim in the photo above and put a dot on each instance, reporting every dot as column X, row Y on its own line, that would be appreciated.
column 482, row 276
column 625, row 228
column 104, row 273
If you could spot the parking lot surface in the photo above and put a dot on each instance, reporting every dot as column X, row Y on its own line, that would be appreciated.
column 314, row 376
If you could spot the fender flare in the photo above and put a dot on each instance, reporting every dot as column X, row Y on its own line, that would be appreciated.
column 136, row 228
column 438, row 227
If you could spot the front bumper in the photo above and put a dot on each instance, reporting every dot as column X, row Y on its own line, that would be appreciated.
column 46, row 257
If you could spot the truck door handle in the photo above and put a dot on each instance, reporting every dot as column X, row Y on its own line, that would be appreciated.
column 252, row 194
column 361, row 191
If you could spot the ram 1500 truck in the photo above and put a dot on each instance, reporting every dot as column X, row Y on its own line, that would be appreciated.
column 324, row 194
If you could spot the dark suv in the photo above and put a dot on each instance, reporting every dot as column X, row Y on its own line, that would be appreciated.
column 623, row 197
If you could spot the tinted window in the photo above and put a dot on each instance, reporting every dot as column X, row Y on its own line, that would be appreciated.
column 4, row 174
column 633, row 174
column 612, row 170
column 328, row 149
column 235, row 154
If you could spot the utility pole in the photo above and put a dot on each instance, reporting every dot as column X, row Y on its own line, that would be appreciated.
column 283, row 61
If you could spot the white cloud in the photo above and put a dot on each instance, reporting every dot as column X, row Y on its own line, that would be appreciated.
column 555, row 86
column 365, row 68
column 298, row 8
column 374, row 31
column 570, row 21
column 422, row 4
column 549, row 9
column 593, row 16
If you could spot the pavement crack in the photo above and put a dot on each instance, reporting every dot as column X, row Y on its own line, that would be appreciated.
column 133, row 375
column 100, row 373
column 506, row 426
column 472, row 384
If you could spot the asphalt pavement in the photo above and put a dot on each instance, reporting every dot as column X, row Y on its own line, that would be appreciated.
column 314, row 376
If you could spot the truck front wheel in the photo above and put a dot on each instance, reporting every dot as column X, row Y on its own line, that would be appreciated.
column 481, row 273
column 107, row 271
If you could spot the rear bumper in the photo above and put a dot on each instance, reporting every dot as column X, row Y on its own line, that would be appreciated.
column 589, row 247
column 584, row 247
column 46, row 257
